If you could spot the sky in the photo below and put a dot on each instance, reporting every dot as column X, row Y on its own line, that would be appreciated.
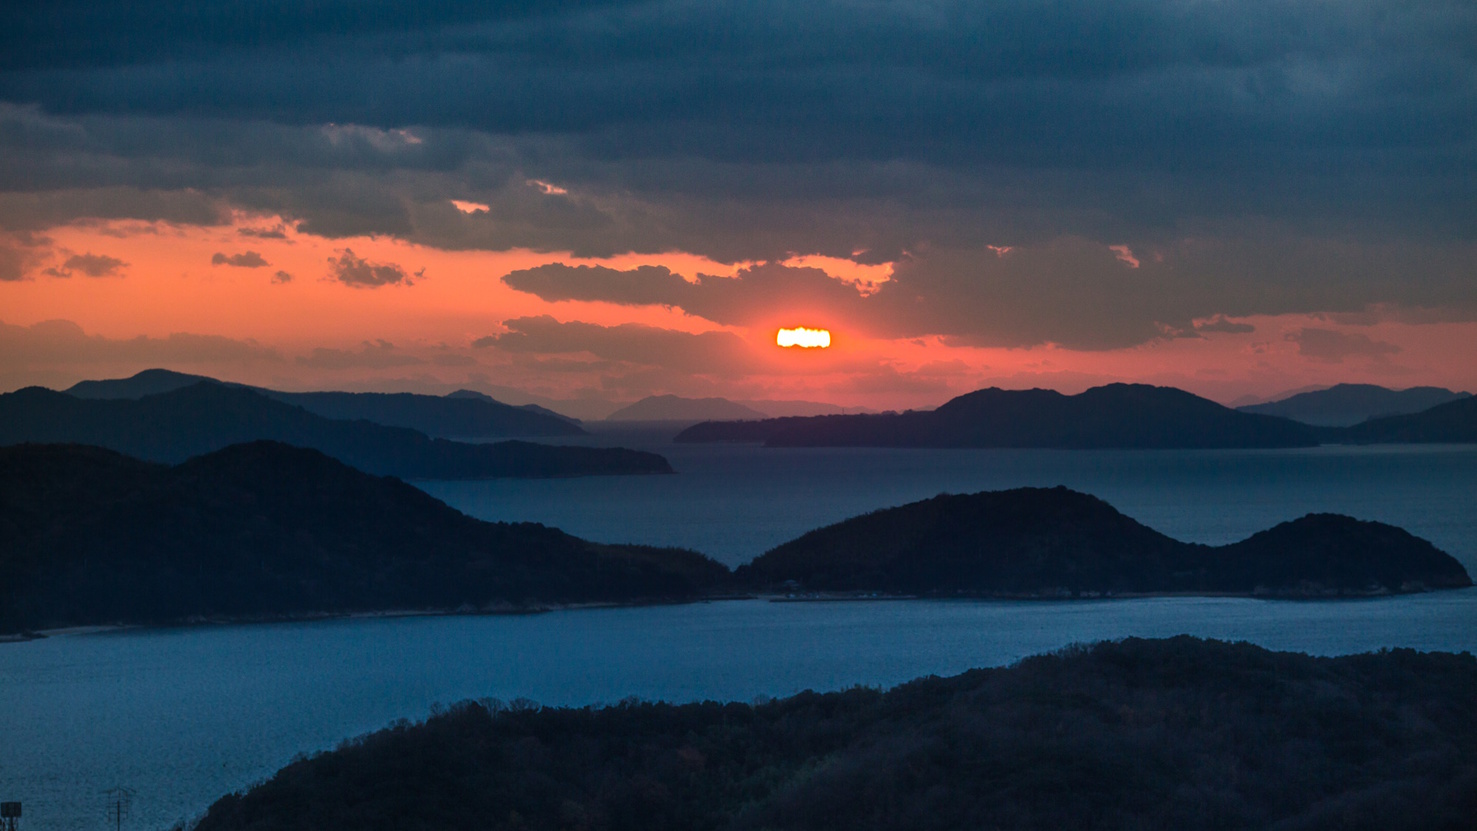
column 592, row 201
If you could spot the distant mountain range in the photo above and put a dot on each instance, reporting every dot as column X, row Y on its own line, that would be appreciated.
column 1112, row 416
column 464, row 414
column 207, row 416
column 1044, row 542
column 88, row 536
column 677, row 408
column 1344, row 405
column 673, row 408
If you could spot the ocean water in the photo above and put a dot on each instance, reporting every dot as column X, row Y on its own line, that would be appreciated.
column 185, row 715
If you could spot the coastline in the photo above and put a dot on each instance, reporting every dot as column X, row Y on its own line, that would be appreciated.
column 490, row 610
column 508, row 609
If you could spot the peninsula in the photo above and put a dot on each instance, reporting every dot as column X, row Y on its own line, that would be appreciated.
column 1056, row 542
column 262, row 530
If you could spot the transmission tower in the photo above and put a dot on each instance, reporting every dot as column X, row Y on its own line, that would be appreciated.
column 119, row 802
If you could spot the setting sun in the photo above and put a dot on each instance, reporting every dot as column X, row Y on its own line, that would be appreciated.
column 804, row 338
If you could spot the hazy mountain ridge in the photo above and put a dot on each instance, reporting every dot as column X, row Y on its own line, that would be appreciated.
column 471, row 415
column 1112, row 416
column 1344, row 405
column 676, row 408
column 1034, row 542
column 90, row 536
column 207, row 416
column 1176, row 733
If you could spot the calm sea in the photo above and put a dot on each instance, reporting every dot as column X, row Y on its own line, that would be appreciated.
column 183, row 716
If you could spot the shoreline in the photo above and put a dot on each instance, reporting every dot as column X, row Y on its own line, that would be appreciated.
column 504, row 610
column 491, row 610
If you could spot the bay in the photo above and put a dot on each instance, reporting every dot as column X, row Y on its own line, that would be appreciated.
column 185, row 715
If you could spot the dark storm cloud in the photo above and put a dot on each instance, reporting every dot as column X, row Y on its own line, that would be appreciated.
column 1270, row 130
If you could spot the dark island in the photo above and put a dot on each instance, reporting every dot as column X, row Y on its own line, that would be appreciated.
column 1178, row 733
column 464, row 415
column 207, row 416
column 1055, row 542
column 260, row 530
column 1112, row 416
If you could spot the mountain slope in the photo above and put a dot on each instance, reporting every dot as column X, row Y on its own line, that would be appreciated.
column 1058, row 542
column 1112, row 416
column 1138, row 734
column 1343, row 405
column 174, row 426
column 91, row 536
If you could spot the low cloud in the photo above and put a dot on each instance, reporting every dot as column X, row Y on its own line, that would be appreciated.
column 282, row 277
column 89, row 264
column 703, row 353
column 60, row 349
column 1333, row 347
column 12, row 264
column 246, row 259
column 379, row 354
column 355, row 271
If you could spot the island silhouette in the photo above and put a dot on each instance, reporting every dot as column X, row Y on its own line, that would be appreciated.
column 1112, row 416
column 1056, row 542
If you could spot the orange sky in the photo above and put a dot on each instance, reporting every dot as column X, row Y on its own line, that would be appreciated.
column 421, row 335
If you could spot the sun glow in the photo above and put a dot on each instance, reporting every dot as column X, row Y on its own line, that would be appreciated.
column 804, row 338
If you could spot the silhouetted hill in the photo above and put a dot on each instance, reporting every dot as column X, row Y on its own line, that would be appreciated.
column 147, row 382
column 449, row 416
column 1040, row 542
column 88, row 536
column 1453, row 422
column 673, row 408
column 173, row 426
column 1347, row 404
column 1141, row 734
column 1113, row 416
